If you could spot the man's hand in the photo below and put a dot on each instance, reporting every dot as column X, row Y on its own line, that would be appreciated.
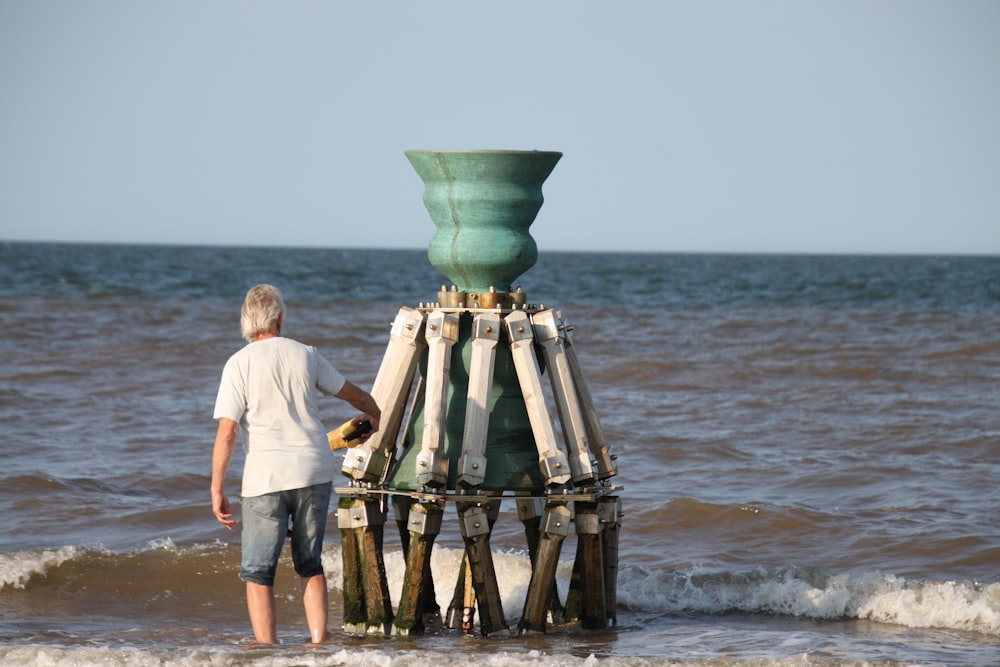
column 362, row 400
column 220, row 508
column 222, row 453
column 361, row 419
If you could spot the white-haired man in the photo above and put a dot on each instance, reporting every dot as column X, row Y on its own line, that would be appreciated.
column 268, row 397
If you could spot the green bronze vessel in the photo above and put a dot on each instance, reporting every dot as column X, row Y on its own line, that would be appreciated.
column 482, row 203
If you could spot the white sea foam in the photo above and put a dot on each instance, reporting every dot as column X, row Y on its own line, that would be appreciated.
column 803, row 592
column 812, row 593
column 18, row 567
column 513, row 572
column 52, row 656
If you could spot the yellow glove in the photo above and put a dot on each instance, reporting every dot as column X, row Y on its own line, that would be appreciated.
column 347, row 434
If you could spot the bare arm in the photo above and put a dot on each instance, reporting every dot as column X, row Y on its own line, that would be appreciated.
column 363, row 401
column 222, row 454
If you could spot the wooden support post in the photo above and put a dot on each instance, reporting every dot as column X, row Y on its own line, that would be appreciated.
column 590, row 557
column 554, row 528
column 549, row 333
column 529, row 512
column 604, row 459
column 424, row 524
column 354, row 595
column 462, row 610
column 379, row 605
column 369, row 461
column 472, row 462
column 574, row 596
column 474, row 523
column 432, row 462
column 365, row 518
column 428, row 599
column 610, row 512
column 552, row 462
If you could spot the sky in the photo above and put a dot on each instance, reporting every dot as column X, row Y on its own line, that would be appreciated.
column 785, row 126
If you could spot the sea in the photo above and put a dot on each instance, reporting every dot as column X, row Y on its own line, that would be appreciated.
column 808, row 450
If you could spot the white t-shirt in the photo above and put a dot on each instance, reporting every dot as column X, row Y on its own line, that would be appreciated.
column 270, row 388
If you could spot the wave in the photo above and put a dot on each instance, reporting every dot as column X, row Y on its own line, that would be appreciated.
column 132, row 578
column 284, row 657
column 19, row 567
column 817, row 594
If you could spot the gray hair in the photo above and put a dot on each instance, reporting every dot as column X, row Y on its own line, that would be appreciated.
column 261, row 310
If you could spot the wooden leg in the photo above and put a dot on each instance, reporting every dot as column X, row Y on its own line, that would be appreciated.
column 424, row 525
column 529, row 511
column 610, row 513
column 354, row 595
column 462, row 611
column 554, row 528
column 591, row 559
column 574, row 597
column 379, row 606
column 474, row 523
column 463, row 601
column 365, row 520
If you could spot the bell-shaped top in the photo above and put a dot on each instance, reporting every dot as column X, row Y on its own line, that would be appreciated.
column 483, row 202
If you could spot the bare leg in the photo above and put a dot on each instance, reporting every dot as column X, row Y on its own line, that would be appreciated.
column 260, row 603
column 314, row 598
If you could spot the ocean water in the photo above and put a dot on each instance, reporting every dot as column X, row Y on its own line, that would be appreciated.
column 809, row 450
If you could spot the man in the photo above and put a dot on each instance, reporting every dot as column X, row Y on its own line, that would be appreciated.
column 268, row 394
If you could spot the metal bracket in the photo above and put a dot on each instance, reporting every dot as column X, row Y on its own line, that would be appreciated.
column 529, row 508
column 359, row 515
column 556, row 520
column 609, row 509
column 424, row 522
column 473, row 521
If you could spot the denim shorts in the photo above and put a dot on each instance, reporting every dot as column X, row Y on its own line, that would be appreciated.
column 266, row 521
